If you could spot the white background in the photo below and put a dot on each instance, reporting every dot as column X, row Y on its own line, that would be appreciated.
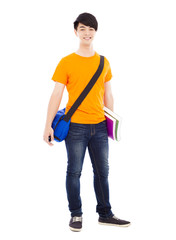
column 138, row 38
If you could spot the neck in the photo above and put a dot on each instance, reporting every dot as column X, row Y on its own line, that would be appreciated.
column 85, row 51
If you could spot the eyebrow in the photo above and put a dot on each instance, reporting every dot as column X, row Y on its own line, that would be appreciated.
column 84, row 27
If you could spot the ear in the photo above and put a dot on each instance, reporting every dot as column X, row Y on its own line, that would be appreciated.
column 75, row 32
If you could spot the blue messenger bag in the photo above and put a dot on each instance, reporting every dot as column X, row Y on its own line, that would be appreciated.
column 62, row 121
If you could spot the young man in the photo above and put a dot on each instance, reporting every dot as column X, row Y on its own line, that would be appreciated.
column 88, row 124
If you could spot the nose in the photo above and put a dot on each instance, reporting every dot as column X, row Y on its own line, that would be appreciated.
column 87, row 32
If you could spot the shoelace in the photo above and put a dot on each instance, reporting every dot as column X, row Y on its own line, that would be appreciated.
column 115, row 217
column 77, row 219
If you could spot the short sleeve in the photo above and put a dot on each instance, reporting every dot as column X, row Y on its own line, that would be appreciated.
column 109, row 73
column 60, row 74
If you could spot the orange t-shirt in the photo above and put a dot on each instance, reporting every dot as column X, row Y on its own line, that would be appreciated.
column 75, row 72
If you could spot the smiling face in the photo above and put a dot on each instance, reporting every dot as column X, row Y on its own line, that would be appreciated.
column 85, row 33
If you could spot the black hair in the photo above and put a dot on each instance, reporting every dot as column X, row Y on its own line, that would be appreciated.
column 86, row 19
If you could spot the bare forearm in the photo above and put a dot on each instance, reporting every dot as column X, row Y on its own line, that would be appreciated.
column 53, row 106
column 109, row 102
column 108, row 96
column 54, row 103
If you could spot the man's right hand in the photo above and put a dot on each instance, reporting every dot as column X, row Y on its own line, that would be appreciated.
column 48, row 133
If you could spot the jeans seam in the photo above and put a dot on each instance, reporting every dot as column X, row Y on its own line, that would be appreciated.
column 98, row 177
column 92, row 129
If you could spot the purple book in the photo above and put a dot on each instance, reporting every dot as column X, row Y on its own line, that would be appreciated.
column 113, row 124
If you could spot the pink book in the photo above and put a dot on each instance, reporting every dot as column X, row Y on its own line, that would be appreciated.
column 113, row 124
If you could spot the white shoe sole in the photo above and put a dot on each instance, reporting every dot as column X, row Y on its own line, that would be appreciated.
column 75, row 229
column 115, row 225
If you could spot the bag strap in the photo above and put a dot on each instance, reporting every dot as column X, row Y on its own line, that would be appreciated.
column 85, row 91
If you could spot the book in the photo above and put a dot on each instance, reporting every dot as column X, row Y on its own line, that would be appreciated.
column 114, row 122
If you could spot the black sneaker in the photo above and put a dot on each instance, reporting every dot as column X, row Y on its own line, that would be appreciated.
column 113, row 221
column 75, row 224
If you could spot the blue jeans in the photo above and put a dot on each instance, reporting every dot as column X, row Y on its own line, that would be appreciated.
column 93, row 136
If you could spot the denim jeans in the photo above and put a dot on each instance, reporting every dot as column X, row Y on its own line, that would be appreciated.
column 93, row 136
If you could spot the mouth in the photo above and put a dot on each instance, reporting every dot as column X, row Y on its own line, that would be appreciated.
column 87, row 38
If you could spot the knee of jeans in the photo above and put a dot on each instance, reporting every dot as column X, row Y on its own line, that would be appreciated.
column 75, row 174
column 102, row 173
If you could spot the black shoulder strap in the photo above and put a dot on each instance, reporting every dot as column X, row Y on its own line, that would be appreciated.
column 85, row 91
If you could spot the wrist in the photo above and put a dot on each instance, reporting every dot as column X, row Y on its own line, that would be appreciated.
column 48, row 125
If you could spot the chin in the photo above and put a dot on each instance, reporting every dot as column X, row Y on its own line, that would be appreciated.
column 87, row 42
